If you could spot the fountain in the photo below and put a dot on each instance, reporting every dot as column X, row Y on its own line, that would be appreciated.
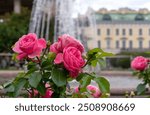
column 67, row 19
column 64, row 22
column 40, row 17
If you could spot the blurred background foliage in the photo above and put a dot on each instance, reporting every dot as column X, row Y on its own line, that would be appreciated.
column 13, row 27
column 16, row 25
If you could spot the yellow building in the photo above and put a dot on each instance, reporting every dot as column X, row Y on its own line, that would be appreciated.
column 118, row 31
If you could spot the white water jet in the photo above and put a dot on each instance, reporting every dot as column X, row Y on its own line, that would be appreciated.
column 67, row 19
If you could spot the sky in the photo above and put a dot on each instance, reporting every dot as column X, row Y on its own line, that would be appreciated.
column 113, row 4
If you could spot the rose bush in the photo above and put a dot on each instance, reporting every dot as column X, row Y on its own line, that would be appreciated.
column 50, row 68
column 140, row 65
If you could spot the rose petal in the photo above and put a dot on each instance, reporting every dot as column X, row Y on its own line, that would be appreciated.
column 68, row 41
column 21, row 56
column 42, row 43
column 16, row 48
column 96, row 92
column 33, row 35
column 36, row 52
column 59, row 58
column 53, row 48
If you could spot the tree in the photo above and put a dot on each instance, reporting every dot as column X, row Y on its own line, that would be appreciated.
column 13, row 27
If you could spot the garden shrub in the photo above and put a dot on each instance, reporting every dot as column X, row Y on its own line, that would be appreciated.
column 124, row 63
column 13, row 27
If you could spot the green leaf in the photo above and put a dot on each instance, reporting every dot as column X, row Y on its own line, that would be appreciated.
column 35, row 79
column 10, row 88
column 47, row 75
column 103, row 84
column 18, row 86
column 7, row 83
column 86, row 80
column 135, row 73
column 32, row 70
column 45, row 63
column 51, row 56
column 95, row 50
column 141, row 88
column 102, row 62
column 94, row 63
column 14, row 87
column 59, row 76
column 80, row 76
column 31, row 65
column 41, row 89
column 19, row 76
column 70, row 79
column 106, row 54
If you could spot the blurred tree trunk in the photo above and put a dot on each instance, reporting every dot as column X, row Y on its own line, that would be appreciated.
column 17, row 6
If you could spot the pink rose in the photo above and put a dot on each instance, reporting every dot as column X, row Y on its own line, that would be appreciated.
column 76, row 90
column 94, row 90
column 139, row 63
column 29, row 46
column 72, row 60
column 65, row 41
column 69, row 52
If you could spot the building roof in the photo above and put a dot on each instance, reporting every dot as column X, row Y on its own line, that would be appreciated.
column 123, row 17
column 147, row 22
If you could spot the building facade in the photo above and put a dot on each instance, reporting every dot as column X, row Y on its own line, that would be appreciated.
column 122, row 30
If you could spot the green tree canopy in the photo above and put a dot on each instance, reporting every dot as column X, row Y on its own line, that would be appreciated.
column 13, row 27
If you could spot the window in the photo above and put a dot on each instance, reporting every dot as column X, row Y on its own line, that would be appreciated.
column 139, row 17
column 123, row 43
column 130, row 44
column 117, row 32
column 108, row 42
column 108, row 32
column 98, row 32
column 130, row 32
column 140, row 43
column 140, row 31
column 106, row 17
column 86, row 22
column 99, row 43
column 117, row 44
column 123, row 32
